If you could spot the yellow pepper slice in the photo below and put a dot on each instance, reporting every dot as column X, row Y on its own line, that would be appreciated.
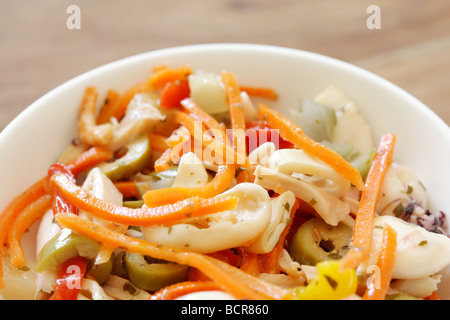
column 330, row 283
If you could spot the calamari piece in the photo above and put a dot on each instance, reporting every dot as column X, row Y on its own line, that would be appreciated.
column 299, row 163
column 141, row 116
column 414, row 246
column 351, row 128
column 88, row 130
column 219, row 231
column 332, row 97
column 91, row 290
column 101, row 187
column 261, row 155
column 420, row 288
column 328, row 206
column 191, row 172
column 392, row 194
column 279, row 219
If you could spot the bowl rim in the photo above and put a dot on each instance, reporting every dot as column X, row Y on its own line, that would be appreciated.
column 337, row 63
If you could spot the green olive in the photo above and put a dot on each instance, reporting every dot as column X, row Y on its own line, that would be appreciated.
column 101, row 272
column 64, row 245
column 137, row 157
column 316, row 241
column 400, row 296
column 152, row 275
column 118, row 267
column 135, row 204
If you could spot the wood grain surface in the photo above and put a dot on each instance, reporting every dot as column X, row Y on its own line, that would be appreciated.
column 38, row 51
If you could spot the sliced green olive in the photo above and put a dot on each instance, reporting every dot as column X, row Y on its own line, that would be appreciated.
column 400, row 296
column 137, row 157
column 64, row 245
column 101, row 272
column 152, row 275
column 316, row 241
column 118, row 267
column 135, row 204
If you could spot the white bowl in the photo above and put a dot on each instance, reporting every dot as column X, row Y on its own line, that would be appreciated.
column 32, row 141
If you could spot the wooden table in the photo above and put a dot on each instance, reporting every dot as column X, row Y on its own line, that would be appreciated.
column 38, row 51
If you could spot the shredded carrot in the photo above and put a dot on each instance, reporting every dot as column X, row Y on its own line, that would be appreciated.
column 385, row 263
column 112, row 96
column 182, row 288
column 157, row 142
column 161, row 77
column 118, row 108
column 164, row 161
column 236, row 108
column 270, row 262
column 128, row 189
column 249, row 262
column 433, row 296
column 363, row 229
column 15, row 207
column 294, row 134
column 199, row 114
column 234, row 281
column 89, row 158
column 187, row 208
column 221, row 181
column 33, row 212
column 261, row 92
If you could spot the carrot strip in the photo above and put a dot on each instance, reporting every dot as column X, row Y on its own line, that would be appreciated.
column 270, row 262
column 234, row 100
column 89, row 158
column 363, row 230
column 164, row 161
column 182, row 288
column 221, row 181
column 294, row 134
column 237, row 117
column 261, row 92
column 163, row 76
column 22, row 223
column 157, row 142
column 192, row 207
column 119, row 107
column 199, row 114
column 10, row 213
column 433, row 296
column 112, row 96
column 250, row 262
column 385, row 264
column 128, row 189
column 231, row 279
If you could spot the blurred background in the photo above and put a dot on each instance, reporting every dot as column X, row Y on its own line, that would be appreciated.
column 409, row 44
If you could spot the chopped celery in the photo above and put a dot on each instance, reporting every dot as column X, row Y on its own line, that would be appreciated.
column 345, row 150
column 363, row 162
column 316, row 120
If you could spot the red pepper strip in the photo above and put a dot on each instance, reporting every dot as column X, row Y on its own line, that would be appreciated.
column 173, row 92
column 60, row 204
column 70, row 277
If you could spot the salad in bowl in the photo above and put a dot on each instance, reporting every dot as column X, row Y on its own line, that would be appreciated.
column 213, row 172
